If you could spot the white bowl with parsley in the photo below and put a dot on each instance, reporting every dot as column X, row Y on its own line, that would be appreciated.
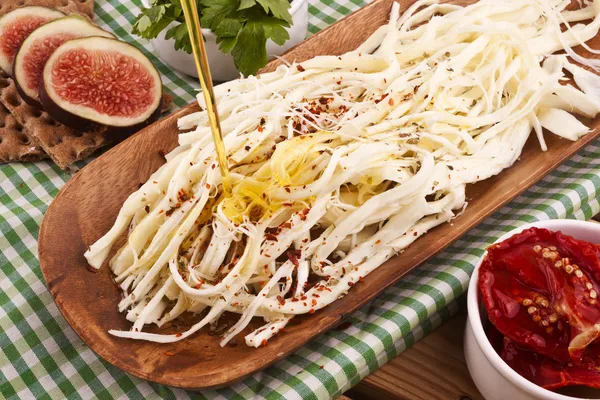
column 262, row 30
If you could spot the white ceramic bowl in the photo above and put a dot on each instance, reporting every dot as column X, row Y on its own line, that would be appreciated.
column 221, row 65
column 492, row 376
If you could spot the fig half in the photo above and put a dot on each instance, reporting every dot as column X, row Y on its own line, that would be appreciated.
column 16, row 25
column 101, row 81
column 31, row 58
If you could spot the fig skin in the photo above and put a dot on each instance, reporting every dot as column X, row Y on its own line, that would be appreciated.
column 95, row 122
column 76, row 18
column 27, row 99
column 82, row 124
column 21, row 13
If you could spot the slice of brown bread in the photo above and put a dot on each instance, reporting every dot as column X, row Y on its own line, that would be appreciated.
column 16, row 144
column 85, row 7
column 64, row 145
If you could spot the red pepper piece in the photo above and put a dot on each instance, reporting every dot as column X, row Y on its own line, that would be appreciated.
column 540, row 290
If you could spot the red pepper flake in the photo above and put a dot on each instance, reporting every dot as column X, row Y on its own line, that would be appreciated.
column 198, row 285
column 391, row 102
column 293, row 256
column 270, row 236
column 321, row 367
column 303, row 297
column 207, row 185
column 213, row 166
column 287, row 189
column 415, row 234
column 350, row 284
column 262, row 121
column 179, row 335
column 300, row 68
column 339, row 82
column 381, row 99
column 377, row 242
column 169, row 353
column 314, row 302
column 147, row 208
column 263, row 343
column 247, row 148
column 311, row 311
column 280, row 300
column 260, row 128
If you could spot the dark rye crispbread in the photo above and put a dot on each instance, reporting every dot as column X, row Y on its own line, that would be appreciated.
column 64, row 145
column 16, row 144
column 85, row 7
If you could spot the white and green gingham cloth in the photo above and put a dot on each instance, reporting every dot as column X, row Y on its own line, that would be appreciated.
column 41, row 357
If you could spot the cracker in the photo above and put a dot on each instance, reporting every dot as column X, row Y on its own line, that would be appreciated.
column 64, row 145
column 85, row 7
column 16, row 144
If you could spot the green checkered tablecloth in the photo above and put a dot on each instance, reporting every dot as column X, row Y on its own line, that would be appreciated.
column 41, row 357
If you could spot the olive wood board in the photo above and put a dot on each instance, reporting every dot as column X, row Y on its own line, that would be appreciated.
column 88, row 204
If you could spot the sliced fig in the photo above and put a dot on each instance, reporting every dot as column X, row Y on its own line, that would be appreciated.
column 101, row 81
column 16, row 25
column 31, row 58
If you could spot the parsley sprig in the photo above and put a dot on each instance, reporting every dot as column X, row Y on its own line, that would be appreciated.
column 242, row 27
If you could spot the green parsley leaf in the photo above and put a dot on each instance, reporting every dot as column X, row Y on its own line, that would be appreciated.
column 274, row 30
column 250, row 52
column 244, row 4
column 279, row 9
column 216, row 10
column 182, row 39
column 156, row 13
column 227, row 44
column 143, row 23
column 241, row 27
column 229, row 27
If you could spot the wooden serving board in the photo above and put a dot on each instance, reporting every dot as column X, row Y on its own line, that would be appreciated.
column 88, row 204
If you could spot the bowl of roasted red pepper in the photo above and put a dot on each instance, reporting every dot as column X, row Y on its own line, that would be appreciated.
column 533, row 330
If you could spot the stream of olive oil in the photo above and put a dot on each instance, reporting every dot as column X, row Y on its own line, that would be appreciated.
column 190, row 12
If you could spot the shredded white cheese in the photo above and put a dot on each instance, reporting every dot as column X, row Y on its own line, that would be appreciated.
column 341, row 162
